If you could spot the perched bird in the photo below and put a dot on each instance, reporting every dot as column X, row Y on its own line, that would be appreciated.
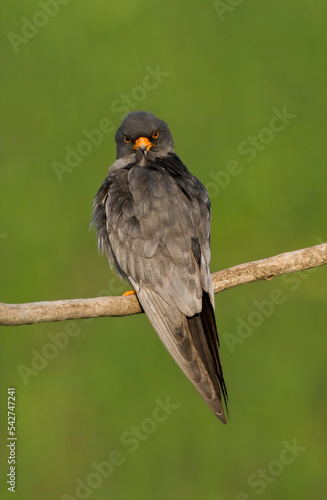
column 153, row 221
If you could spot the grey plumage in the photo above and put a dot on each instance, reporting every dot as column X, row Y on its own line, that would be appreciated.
column 153, row 221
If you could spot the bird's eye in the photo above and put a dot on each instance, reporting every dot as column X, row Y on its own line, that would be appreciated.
column 127, row 139
column 155, row 134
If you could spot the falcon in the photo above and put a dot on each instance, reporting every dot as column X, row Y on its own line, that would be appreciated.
column 153, row 221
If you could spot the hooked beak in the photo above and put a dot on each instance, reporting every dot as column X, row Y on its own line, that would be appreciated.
column 143, row 144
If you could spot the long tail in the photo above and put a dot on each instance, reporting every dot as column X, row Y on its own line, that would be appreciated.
column 204, row 334
column 193, row 344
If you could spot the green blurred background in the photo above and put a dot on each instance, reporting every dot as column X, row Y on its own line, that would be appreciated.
column 226, row 68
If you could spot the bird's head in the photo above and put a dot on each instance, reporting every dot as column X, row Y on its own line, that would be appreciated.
column 144, row 134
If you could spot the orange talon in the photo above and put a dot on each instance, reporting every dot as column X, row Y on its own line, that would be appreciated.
column 129, row 292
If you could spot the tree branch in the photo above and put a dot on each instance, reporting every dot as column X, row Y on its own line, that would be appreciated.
column 60, row 310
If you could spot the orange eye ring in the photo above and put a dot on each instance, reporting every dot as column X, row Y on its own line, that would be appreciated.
column 155, row 134
column 127, row 139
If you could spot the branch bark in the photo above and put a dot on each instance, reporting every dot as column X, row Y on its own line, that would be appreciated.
column 60, row 310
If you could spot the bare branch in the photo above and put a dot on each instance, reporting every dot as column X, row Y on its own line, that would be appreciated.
column 267, row 269
column 60, row 310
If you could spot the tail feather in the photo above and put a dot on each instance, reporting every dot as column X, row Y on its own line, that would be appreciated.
column 193, row 344
column 202, row 326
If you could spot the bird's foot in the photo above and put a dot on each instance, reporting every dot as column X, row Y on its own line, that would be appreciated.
column 129, row 292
